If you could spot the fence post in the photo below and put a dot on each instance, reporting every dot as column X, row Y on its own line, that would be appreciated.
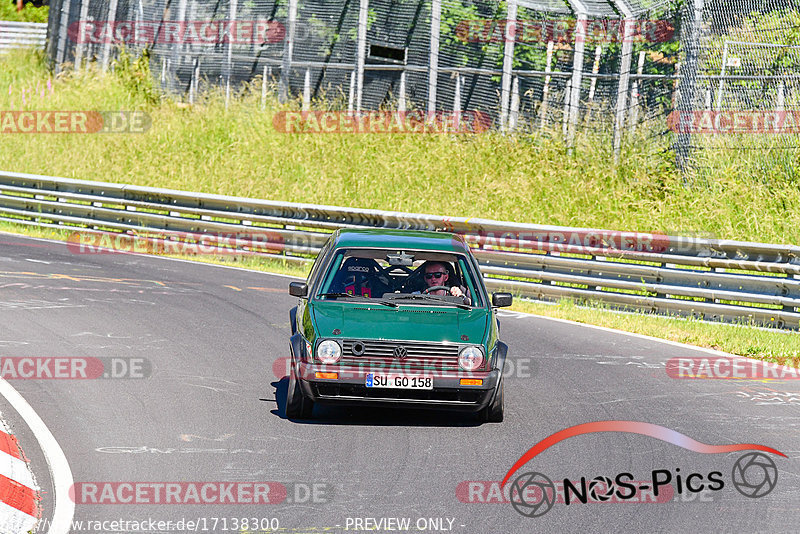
column 692, row 25
column 433, row 67
column 307, row 91
column 111, row 19
column 595, row 69
column 361, row 53
column 457, row 103
column 565, row 114
column 577, row 69
column 177, row 50
column 286, row 67
column 513, row 116
column 510, row 37
column 80, row 46
column 61, row 49
column 264, row 89
column 624, row 75
column 633, row 119
column 781, row 104
column 229, row 50
column 195, row 80
column 402, row 105
column 351, row 98
column 546, row 91
column 722, row 70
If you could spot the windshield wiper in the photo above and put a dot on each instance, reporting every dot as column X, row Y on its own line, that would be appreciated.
column 430, row 298
column 348, row 295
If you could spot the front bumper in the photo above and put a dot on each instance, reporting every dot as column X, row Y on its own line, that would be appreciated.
column 349, row 388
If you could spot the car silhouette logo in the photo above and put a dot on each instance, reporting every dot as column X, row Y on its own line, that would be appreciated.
column 400, row 352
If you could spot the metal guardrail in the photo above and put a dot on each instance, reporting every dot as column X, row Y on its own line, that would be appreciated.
column 730, row 281
column 22, row 35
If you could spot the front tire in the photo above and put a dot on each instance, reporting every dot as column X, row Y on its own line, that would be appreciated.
column 493, row 413
column 297, row 405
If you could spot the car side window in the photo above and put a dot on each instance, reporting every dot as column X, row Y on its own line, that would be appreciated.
column 312, row 276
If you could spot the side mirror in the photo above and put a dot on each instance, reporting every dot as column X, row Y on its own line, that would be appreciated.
column 501, row 300
column 298, row 289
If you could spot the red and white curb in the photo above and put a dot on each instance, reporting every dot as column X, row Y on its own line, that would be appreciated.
column 19, row 494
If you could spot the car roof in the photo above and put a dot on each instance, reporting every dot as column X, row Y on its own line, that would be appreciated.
column 400, row 240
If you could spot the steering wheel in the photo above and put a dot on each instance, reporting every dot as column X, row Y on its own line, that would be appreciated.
column 436, row 288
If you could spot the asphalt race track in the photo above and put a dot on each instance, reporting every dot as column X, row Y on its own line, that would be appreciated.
column 211, row 410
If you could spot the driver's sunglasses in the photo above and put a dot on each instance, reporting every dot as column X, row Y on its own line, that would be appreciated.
column 429, row 276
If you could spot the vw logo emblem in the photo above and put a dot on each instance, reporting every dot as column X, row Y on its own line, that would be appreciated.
column 400, row 352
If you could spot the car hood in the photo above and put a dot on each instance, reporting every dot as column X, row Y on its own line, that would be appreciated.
column 357, row 320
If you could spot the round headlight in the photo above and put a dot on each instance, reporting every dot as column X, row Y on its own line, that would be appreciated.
column 329, row 351
column 470, row 358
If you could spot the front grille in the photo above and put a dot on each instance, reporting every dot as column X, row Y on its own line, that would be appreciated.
column 465, row 396
column 380, row 354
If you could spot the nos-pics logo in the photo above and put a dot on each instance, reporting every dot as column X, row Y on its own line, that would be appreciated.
column 533, row 494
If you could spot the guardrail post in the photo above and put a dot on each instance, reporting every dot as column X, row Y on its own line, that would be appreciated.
column 288, row 49
column 510, row 37
column 361, row 52
column 433, row 63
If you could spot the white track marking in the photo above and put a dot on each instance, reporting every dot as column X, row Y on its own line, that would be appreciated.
column 56, row 461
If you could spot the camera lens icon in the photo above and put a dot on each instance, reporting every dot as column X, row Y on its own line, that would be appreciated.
column 754, row 475
column 532, row 494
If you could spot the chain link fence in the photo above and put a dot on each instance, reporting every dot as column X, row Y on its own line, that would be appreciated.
column 738, row 89
column 635, row 71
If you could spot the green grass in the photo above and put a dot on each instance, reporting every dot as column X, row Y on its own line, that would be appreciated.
column 528, row 179
column 29, row 13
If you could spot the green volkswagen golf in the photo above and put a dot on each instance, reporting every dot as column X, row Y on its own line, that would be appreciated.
column 400, row 318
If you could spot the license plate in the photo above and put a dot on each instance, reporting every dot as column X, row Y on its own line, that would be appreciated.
column 399, row 381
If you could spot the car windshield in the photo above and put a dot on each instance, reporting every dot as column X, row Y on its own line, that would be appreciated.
column 402, row 277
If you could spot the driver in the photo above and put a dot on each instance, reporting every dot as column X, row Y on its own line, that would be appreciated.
column 436, row 274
